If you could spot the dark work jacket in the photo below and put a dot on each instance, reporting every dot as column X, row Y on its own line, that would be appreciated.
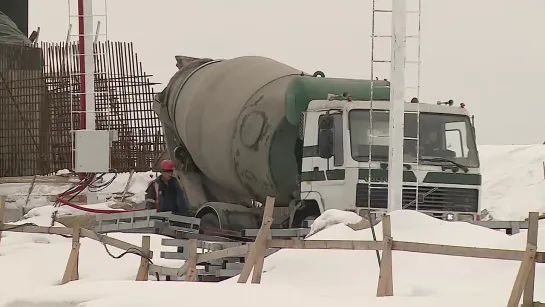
column 171, row 196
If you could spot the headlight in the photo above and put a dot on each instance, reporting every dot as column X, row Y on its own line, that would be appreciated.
column 450, row 217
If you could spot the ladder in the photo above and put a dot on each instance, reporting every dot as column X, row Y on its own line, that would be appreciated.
column 92, row 16
column 88, row 24
column 381, row 9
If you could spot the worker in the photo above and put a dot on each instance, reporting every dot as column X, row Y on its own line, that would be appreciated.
column 164, row 193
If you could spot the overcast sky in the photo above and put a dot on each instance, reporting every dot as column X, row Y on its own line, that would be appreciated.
column 489, row 54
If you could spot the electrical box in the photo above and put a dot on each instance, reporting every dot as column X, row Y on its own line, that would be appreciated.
column 92, row 151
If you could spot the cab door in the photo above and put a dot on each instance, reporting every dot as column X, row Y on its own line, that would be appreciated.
column 330, row 164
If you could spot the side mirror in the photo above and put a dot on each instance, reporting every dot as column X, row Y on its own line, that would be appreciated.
column 325, row 144
column 325, row 122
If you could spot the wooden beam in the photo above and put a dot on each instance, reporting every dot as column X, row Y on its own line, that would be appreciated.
column 522, row 276
column 69, row 231
column 425, row 248
column 257, row 250
column 261, row 244
column 38, row 229
column 191, row 274
column 385, row 280
column 143, row 269
column 40, row 179
column 71, row 272
column 528, row 297
column 127, row 186
column 111, row 241
column 2, row 210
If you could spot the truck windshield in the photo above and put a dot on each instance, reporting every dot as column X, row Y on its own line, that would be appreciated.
column 448, row 136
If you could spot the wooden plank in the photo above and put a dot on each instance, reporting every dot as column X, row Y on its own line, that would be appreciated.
column 528, row 297
column 192, row 261
column 29, row 192
column 2, row 210
column 385, row 282
column 522, row 276
column 323, row 244
column 38, row 229
column 425, row 248
column 127, row 185
column 162, row 271
column 110, row 241
column 69, row 231
column 143, row 270
column 261, row 244
column 224, row 253
column 71, row 272
column 40, row 179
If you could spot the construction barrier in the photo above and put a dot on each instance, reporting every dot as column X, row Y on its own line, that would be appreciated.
column 255, row 252
column 71, row 271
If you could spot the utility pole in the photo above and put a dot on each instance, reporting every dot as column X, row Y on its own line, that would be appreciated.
column 397, row 105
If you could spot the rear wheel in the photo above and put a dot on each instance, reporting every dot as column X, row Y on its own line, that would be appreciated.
column 210, row 220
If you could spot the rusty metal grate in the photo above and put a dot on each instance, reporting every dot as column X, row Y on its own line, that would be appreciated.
column 38, row 97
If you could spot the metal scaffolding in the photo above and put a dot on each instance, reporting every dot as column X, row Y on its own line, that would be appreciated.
column 36, row 107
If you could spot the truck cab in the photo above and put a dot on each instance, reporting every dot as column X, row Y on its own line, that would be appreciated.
column 345, row 159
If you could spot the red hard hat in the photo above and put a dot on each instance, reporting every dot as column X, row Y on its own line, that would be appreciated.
column 167, row 165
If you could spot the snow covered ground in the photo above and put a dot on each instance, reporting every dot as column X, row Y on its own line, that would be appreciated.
column 513, row 175
column 35, row 264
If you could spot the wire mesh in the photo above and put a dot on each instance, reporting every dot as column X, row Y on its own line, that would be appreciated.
column 39, row 105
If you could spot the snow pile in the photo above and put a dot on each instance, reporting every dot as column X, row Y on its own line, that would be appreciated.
column 513, row 180
column 309, row 277
column 333, row 217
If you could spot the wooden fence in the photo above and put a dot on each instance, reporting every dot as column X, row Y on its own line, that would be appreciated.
column 71, row 271
column 254, row 256
column 254, row 253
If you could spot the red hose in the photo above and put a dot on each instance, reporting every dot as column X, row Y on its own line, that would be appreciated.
column 81, row 187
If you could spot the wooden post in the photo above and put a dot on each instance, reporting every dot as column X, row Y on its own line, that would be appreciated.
column 524, row 283
column 71, row 272
column 2, row 209
column 528, row 298
column 143, row 270
column 127, row 186
column 191, row 274
column 385, row 279
column 255, row 257
column 522, row 276
column 30, row 189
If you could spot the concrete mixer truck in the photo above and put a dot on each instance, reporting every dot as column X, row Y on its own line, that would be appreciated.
column 242, row 129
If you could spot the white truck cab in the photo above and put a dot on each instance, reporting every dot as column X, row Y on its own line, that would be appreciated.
column 345, row 159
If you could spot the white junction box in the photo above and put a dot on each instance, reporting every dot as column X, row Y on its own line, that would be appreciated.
column 92, row 151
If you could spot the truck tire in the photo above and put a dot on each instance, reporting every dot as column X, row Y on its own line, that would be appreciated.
column 210, row 220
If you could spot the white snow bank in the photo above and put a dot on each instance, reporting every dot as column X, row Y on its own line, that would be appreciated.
column 513, row 180
column 302, row 277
